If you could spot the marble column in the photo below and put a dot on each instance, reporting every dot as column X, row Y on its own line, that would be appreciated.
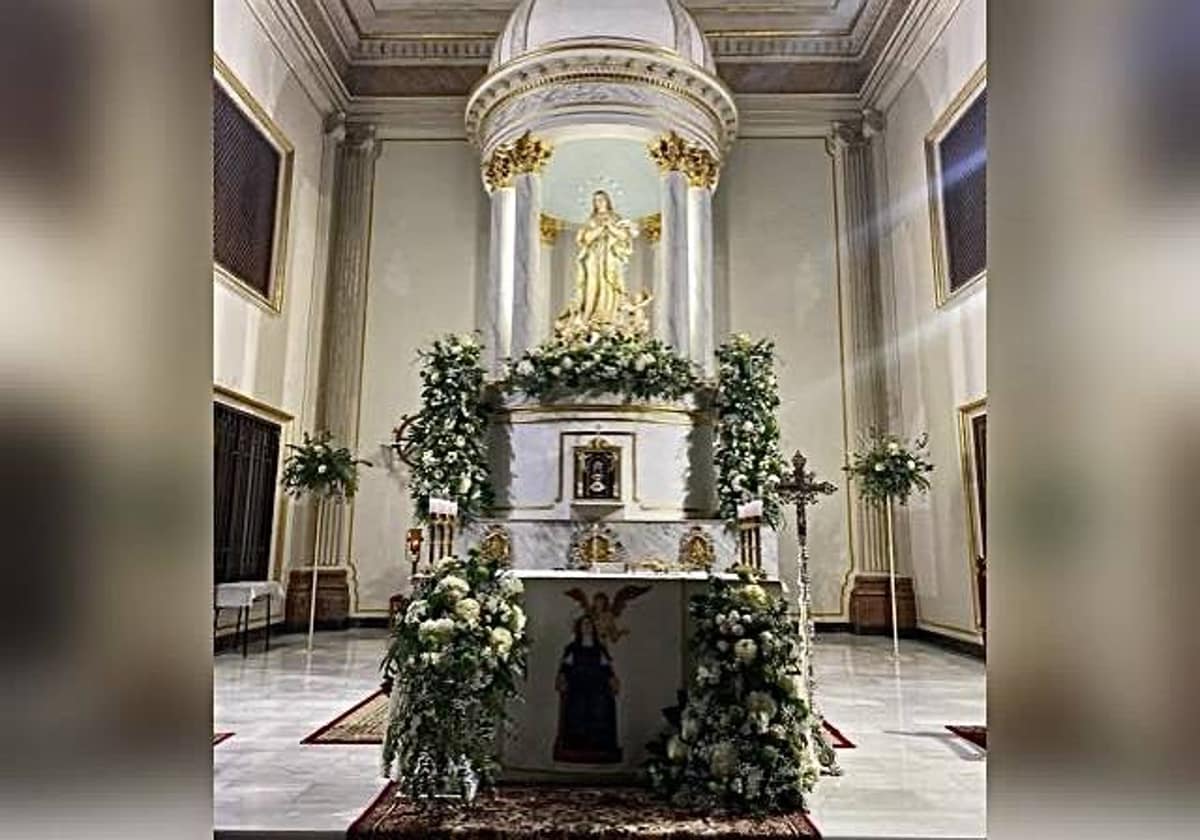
column 518, row 303
column 497, row 328
column 859, row 269
column 670, row 304
column 346, row 282
column 531, row 292
column 700, row 277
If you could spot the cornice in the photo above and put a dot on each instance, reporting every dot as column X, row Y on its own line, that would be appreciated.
column 794, row 115
column 916, row 33
column 290, row 32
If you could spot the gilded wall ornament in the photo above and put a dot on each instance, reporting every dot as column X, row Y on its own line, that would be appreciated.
column 527, row 155
column 496, row 545
column 593, row 546
column 696, row 551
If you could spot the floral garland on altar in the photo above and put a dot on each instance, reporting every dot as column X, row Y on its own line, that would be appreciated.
column 455, row 661
column 740, row 740
column 750, row 464
column 889, row 467
column 595, row 359
column 449, row 433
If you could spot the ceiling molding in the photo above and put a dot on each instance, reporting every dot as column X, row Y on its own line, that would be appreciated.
column 794, row 115
column 306, row 56
column 916, row 33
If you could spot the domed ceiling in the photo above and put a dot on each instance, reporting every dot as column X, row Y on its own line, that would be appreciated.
column 443, row 47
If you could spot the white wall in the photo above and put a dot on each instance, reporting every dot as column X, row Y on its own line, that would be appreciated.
column 264, row 355
column 428, row 267
column 776, row 267
column 942, row 351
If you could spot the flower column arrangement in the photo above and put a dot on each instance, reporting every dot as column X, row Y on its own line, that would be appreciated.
column 740, row 741
column 455, row 661
column 330, row 474
column 449, row 433
column 889, row 469
column 749, row 462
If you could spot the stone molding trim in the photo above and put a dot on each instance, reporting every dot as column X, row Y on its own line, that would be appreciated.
column 612, row 81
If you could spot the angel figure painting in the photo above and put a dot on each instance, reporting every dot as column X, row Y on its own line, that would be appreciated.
column 587, row 682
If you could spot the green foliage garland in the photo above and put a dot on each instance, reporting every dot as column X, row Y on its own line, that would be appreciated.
column 602, row 360
column 319, row 468
column 449, row 433
column 456, row 659
column 889, row 467
column 749, row 462
column 740, row 741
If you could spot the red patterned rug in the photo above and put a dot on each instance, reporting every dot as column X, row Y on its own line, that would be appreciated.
column 367, row 720
column 543, row 812
column 977, row 735
column 218, row 737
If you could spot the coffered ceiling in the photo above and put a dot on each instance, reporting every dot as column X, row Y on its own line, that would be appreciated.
column 441, row 47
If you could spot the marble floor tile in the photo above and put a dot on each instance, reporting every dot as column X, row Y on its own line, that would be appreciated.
column 908, row 776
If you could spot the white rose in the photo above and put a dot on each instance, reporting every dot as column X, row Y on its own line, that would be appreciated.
column 879, row 467
column 556, row 371
column 468, row 610
column 745, row 650
column 525, row 368
column 322, row 469
column 893, row 447
column 416, row 612
column 738, row 629
column 511, row 585
column 912, row 465
column 567, row 363
column 464, row 485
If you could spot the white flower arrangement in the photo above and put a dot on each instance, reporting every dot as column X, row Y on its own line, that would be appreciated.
column 602, row 360
column 454, row 662
column 449, row 433
column 740, row 741
column 888, row 467
column 750, row 464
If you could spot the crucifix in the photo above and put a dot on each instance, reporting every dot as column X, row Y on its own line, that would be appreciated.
column 803, row 490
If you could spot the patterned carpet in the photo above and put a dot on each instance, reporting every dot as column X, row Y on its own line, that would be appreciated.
column 543, row 812
column 977, row 735
column 365, row 723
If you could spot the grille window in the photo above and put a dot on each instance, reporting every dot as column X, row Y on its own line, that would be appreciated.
column 962, row 161
column 246, row 170
column 245, row 461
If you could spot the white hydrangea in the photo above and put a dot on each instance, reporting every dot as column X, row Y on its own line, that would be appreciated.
column 723, row 760
column 416, row 612
column 468, row 610
column 453, row 587
column 745, row 650
column 436, row 629
column 517, row 619
column 502, row 641
column 753, row 595
column 525, row 368
column 510, row 585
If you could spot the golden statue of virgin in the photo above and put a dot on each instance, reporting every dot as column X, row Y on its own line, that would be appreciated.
column 605, row 244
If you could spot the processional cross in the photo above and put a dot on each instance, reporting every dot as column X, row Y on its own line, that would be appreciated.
column 803, row 490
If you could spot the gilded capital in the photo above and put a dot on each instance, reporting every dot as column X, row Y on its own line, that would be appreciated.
column 651, row 227
column 551, row 228
column 527, row 155
column 672, row 153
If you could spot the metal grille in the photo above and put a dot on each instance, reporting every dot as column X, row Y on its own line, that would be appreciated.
column 246, row 457
column 963, row 160
column 245, row 184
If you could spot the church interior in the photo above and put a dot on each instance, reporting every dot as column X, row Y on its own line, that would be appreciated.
column 562, row 326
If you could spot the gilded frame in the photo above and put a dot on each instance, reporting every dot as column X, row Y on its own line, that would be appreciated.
column 265, row 411
column 972, row 492
column 933, row 173
column 258, row 116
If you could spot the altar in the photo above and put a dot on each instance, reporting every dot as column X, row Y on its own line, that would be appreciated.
column 591, row 717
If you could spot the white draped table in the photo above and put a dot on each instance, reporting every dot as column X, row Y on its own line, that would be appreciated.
column 242, row 595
